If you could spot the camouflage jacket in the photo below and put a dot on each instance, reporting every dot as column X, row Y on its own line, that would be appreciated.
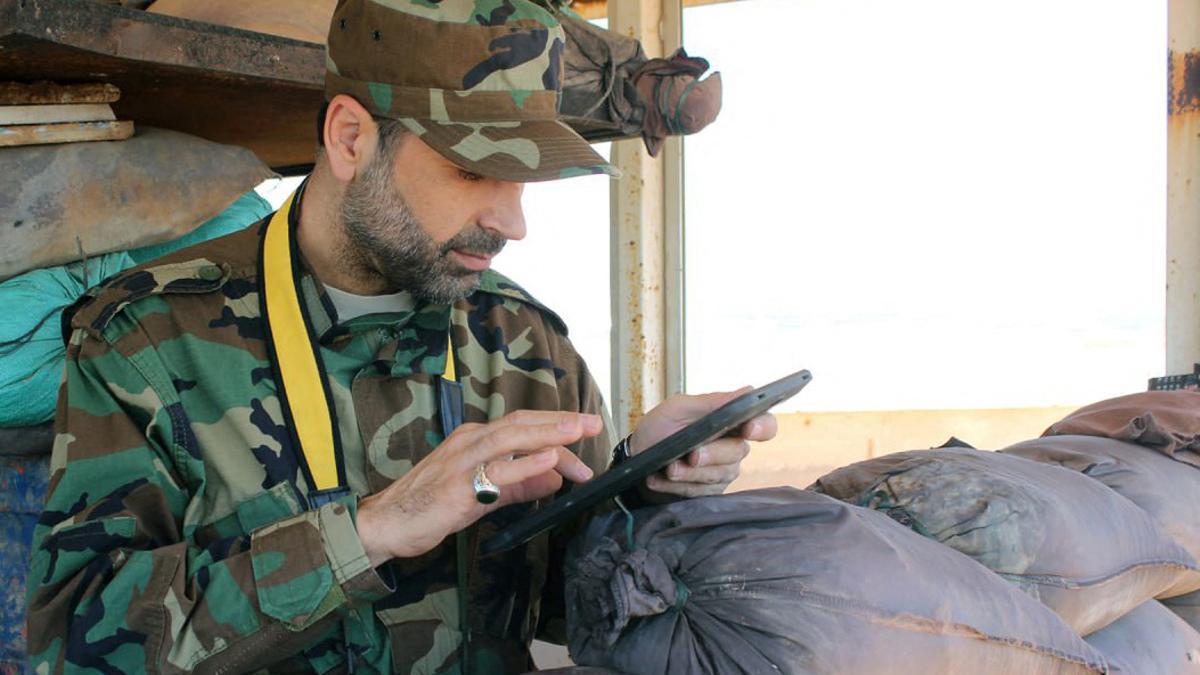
column 175, row 536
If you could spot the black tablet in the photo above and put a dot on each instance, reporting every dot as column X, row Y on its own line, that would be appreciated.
column 720, row 422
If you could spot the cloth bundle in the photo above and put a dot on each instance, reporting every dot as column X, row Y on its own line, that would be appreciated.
column 31, row 337
column 789, row 581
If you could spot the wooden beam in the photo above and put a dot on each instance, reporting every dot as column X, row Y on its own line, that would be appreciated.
column 598, row 9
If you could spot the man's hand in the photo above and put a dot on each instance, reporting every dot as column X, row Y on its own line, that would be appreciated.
column 710, row 468
column 435, row 499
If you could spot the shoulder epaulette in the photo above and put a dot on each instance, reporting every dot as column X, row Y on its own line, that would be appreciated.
column 495, row 283
column 101, row 303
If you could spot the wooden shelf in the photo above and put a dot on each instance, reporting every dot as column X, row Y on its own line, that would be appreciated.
column 224, row 84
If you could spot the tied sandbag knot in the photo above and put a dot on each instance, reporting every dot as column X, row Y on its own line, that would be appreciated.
column 682, row 593
column 612, row 588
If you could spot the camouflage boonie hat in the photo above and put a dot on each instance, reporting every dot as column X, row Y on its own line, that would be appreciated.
column 477, row 80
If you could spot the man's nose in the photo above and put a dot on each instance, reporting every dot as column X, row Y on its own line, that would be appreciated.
column 505, row 216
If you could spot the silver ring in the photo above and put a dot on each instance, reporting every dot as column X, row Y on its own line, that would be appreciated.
column 486, row 491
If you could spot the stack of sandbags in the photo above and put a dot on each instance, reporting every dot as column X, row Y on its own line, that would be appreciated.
column 788, row 581
column 1088, row 553
column 24, row 472
column 1146, row 447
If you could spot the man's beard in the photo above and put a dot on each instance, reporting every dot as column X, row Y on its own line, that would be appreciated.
column 384, row 239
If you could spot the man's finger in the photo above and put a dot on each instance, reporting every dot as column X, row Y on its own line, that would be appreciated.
column 535, row 417
column 510, row 472
column 720, row 451
column 678, row 472
column 657, row 483
column 691, row 407
column 504, row 440
column 761, row 428
column 572, row 467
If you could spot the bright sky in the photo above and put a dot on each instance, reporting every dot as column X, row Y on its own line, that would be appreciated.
column 928, row 203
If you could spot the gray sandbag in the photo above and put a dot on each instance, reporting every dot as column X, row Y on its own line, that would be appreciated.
column 787, row 581
column 1186, row 607
column 1164, row 487
column 1150, row 640
column 1167, row 421
column 1087, row 552
column 113, row 196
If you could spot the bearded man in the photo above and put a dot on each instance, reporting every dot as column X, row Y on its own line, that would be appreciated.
column 280, row 449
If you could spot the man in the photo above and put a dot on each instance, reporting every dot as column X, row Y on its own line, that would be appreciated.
column 198, row 520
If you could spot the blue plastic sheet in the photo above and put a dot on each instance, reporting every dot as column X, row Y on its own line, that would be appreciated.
column 23, row 483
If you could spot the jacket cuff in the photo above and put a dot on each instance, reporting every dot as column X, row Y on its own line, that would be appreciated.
column 312, row 564
column 360, row 583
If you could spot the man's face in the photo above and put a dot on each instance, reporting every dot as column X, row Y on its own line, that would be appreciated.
column 424, row 225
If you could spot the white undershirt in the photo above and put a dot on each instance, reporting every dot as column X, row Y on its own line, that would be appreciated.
column 351, row 306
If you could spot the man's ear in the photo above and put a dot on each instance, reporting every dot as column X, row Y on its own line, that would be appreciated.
column 350, row 136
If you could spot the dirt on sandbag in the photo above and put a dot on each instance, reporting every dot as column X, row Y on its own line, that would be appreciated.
column 64, row 203
column 1165, row 488
column 1085, row 551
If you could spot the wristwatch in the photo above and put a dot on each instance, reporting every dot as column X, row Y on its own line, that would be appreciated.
column 621, row 452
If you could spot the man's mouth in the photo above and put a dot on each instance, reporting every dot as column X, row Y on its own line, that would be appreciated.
column 474, row 261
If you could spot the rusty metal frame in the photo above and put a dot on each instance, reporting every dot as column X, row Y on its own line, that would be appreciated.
column 646, row 214
column 1183, row 188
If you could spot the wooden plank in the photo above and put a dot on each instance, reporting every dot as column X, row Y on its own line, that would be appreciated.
column 37, row 93
column 55, row 114
column 73, row 132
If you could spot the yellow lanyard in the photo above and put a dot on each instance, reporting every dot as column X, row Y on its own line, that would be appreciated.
column 303, row 388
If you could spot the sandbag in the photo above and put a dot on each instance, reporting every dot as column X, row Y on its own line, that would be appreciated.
column 35, row 440
column 32, row 354
column 1186, row 607
column 245, row 211
column 1166, row 489
column 1150, row 640
column 1087, row 552
column 306, row 20
column 786, row 581
column 31, row 343
column 1167, row 421
column 113, row 196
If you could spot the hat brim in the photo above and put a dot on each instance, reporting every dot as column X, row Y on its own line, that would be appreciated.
column 522, row 152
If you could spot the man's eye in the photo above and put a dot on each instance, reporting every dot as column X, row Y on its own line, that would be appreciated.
column 468, row 176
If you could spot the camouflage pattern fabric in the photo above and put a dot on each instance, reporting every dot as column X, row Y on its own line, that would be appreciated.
column 488, row 102
column 175, row 537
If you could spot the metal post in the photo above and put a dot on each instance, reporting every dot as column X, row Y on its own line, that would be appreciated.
column 1183, row 188
column 646, row 272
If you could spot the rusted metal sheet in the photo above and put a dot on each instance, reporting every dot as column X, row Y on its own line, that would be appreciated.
column 1184, row 75
column 223, row 84
column 646, row 244
column 1183, row 187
